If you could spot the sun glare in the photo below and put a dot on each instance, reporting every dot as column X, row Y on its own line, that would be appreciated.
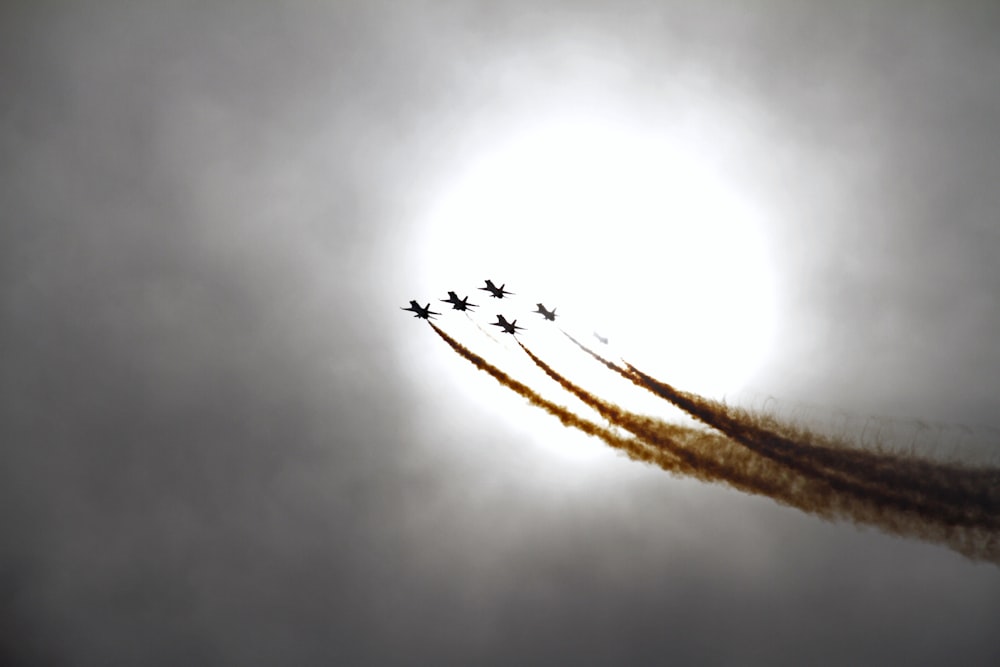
column 629, row 234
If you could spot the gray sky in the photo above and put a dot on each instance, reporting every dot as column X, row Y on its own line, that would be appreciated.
column 224, row 444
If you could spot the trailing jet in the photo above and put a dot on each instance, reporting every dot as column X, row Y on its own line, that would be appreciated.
column 458, row 304
column 496, row 292
column 600, row 338
column 550, row 315
column 508, row 327
column 423, row 312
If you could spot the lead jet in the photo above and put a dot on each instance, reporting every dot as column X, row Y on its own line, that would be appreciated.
column 458, row 304
column 550, row 315
column 423, row 312
column 496, row 292
column 600, row 338
column 508, row 327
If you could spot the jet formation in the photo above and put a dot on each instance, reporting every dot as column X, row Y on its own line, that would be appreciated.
column 425, row 312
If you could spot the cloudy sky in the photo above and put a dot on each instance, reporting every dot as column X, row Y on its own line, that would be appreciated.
column 222, row 442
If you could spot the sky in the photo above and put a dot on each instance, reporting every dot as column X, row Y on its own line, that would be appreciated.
column 223, row 443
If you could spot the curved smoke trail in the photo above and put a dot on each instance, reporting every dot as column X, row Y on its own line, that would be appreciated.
column 948, row 494
column 951, row 494
column 632, row 447
column 667, row 446
column 744, row 468
column 762, row 462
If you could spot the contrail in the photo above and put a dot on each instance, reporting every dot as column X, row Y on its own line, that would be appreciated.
column 633, row 448
column 808, row 485
column 948, row 493
column 941, row 493
column 664, row 445
column 487, row 332
column 718, row 458
column 714, row 458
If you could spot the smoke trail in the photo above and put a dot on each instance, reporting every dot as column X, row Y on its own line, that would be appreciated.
column 939, row 492
column 714, row 458
column 672, row 445
column 633, row 448
column 711, row 457
column 487, row 332
column 790, row 484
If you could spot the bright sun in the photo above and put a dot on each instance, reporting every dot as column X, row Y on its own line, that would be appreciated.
column 627, row 233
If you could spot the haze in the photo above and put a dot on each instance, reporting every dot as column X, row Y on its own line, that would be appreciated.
column 221, row 442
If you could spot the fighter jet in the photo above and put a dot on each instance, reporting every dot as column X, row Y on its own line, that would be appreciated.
column 550, row 315
column 600, row 338
column 458, row 304
column 508, row 327
column 495, row 292
column 423, row 312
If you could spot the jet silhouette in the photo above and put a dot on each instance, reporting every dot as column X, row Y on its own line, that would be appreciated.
column 423, row 312
column 550, row 315
column 495, row 292
column 508, row 327
column 458, row 304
